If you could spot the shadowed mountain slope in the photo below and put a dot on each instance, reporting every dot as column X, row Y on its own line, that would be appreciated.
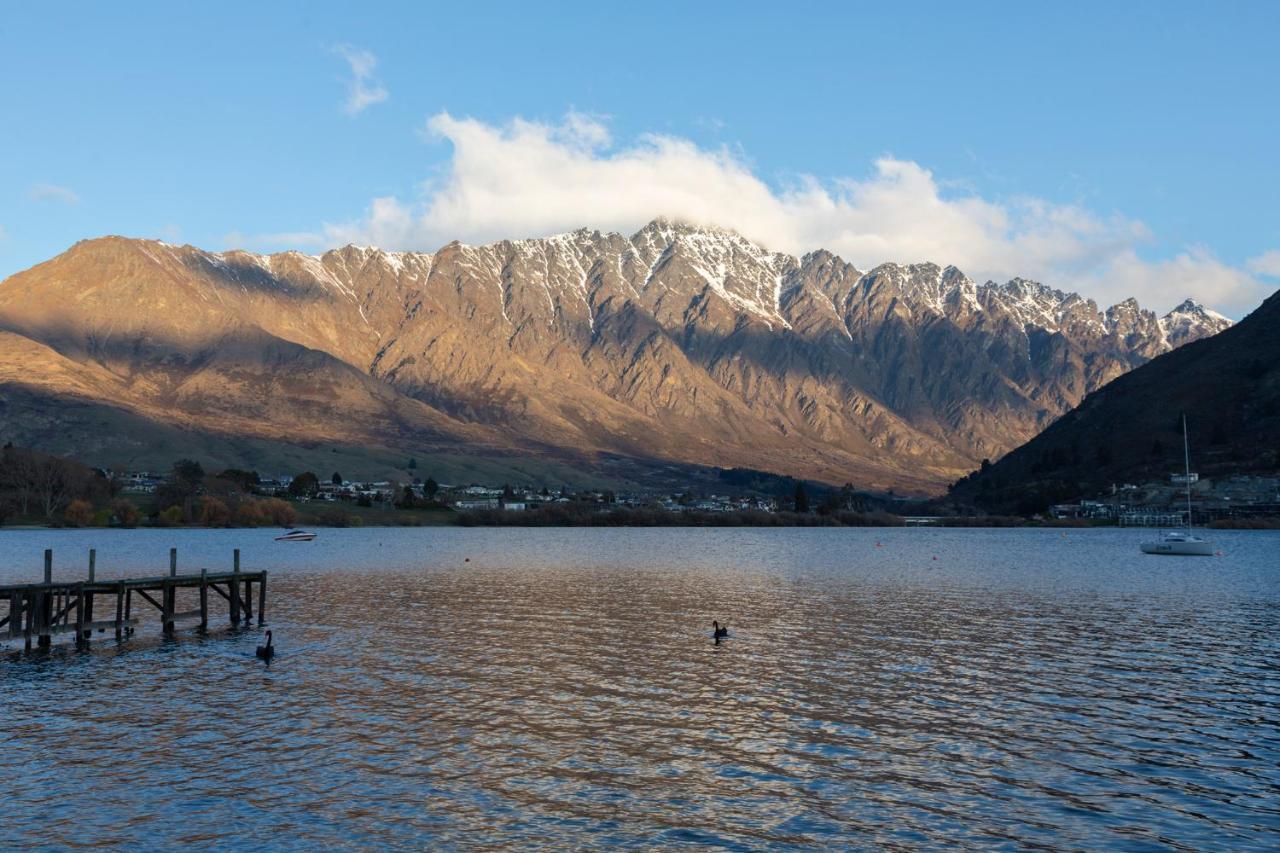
column 1131, row 430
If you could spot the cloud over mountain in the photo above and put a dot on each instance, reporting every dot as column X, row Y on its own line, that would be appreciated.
column 535, row 178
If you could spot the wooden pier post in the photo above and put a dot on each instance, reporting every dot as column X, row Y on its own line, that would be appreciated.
column 248, row 601
column 204, row 600
column 262, row 599
column 120, row 611
column 170, row 593
column 88, row 600
column 44, row 604
column 81, row 633
column 235, row 587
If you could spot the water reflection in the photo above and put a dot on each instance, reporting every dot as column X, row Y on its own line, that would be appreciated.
column 562, row 687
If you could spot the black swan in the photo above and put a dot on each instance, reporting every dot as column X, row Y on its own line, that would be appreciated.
column 268, row 651
column 718, row 631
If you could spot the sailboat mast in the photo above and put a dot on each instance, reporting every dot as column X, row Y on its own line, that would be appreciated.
column 1186, row 458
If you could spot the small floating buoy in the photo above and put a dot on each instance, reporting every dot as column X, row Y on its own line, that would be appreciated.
column 466, row 559
column 935, row 556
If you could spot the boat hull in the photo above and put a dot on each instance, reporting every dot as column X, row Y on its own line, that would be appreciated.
column 1178, row 549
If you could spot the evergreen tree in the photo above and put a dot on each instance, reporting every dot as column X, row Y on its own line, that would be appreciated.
column 802, row 498
column 431, row 488
column 305, row 484
column 336, row 479
column 413, row 463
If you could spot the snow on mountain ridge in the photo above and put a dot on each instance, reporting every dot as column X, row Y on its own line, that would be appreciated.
column 753, row 279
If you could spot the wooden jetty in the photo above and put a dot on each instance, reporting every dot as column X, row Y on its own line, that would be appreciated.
column 41, row 610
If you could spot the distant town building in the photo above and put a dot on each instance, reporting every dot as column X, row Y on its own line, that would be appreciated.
column 476, row 503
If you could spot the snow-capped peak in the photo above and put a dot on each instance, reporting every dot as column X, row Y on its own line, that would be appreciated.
column 1191, row 320
column 1191, row 307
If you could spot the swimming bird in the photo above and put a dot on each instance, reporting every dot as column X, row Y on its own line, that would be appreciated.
column 268, row 651
column 718, row 631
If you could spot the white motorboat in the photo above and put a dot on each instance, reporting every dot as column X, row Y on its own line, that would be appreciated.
column 1181, row 543
column 296, row 536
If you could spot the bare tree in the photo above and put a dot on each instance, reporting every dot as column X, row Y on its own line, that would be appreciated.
column 18, row 473
column 57, row 482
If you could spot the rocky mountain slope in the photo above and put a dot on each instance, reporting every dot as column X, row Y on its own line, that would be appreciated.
column 679, row 344
column 1131, row 429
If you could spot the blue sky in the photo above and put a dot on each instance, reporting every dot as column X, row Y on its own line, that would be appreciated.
column 1113, row 148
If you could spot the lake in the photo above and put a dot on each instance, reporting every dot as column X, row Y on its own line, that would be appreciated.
column 559, row 687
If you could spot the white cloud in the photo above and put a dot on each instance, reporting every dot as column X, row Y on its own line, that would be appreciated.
column 53, row 193
column 1159, row 284
column 1268, row 264
column 528, row 179
column 363, row 90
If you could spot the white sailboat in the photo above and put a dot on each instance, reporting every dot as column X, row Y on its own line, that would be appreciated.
column 1181, row 543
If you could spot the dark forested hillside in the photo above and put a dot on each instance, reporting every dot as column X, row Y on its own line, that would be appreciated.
column 1130, row 429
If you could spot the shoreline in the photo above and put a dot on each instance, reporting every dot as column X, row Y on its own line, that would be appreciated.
column 720, row 523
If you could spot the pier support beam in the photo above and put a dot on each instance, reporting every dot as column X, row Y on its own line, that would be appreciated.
column 120, row 617
column 170, row 593
column 204, row 600
column 235, row 587
column 88, row 601
column 262, row 599
column 81, row 634
column 44, row 604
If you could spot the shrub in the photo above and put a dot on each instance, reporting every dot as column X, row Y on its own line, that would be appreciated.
column 125, row 512
column 78, row 513
column 212, row 512
column 170, row 517
column 281, row 513
column 262, row 512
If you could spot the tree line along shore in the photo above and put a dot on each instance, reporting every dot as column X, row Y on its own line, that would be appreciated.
column 40, row 489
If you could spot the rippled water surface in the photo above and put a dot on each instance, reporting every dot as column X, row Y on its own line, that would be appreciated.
column 452, row 687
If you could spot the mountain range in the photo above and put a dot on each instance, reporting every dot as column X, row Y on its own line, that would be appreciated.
column 1130, row 431
column 574, row 355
